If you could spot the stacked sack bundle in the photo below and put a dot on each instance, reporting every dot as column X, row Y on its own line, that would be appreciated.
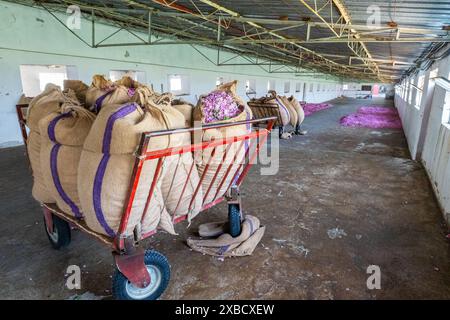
column 222, row 105
column 62, row 136
column 267, row 106
column 288, row 110
column 108, row 158
column 105, row 92
column 49, row 101
column 79, row 88
column 300, row 112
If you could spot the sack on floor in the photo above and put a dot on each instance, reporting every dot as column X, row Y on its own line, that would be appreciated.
column 297, row 106
column 78, row 87
column 62, row 137
column 220, row 106
column 49, row 101
column 103, row 92
column 227, row 246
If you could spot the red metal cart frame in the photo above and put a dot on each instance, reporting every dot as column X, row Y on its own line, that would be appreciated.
column 129, row 257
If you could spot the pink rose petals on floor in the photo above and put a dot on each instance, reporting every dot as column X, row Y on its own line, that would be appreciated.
column 310, row 108
column 377, row 110
column 375, row 117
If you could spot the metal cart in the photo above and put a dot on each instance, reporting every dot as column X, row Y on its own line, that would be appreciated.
column 144, row 274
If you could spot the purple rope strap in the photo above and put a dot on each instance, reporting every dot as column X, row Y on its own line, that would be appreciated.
column 54, row 165
column 98, row 180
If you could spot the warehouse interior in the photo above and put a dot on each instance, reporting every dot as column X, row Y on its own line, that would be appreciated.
column 342, row 199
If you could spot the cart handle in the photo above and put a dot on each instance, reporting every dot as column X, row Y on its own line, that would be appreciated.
column 210, row 126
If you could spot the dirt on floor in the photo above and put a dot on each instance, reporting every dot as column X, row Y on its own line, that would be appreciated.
column 343, row 199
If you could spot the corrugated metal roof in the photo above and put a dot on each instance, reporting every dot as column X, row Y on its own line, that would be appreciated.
column 197, row 21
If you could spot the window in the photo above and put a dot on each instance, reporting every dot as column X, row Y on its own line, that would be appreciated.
column 324, row 87
column 345, row 87
column 366, row 88
column 410, row 91
column 298, row 87
column 250, row 86
column 318, row 87
column 49, row 77
column 139, row 76
column 287, row 87
column 35, row 77
column 179, row 85
column 311, row 87
column 270, row 85
column 419, row 94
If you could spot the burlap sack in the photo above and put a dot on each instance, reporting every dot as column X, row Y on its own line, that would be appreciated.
column 268, row 107
column 179, row 178
column 186, row 110
column 128, row 82
column 227, row 246
column 103, row 92
column 215, row 185
column 39, row 190
column 78, row 87
column 49, row 101
column 292, row 111
column 300, row 112
column 106, row 166
column 62, row 137
column 107, row 162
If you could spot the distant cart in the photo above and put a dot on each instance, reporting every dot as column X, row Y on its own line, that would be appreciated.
column 144, row 274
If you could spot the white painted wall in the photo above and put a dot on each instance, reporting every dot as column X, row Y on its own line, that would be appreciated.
column 354, row 90
column 32, row 36
column 427, row 127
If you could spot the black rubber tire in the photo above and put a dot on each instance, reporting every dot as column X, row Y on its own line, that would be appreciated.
column 153, row 258
column 234, row 218
column 62, row 229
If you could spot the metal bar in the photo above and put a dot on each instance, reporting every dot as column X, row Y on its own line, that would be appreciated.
column 228, row 170
column 79, row 224
column 108, row 37
column 184, row 187
column 134, row 182
column 150, row 12
column 65, row 26
column 217, row 172
column 207, row 144
column 205, row 170
column 262, row 139
column 93, row 28
column 202, row 54
column 153, row 185
column 206, row 127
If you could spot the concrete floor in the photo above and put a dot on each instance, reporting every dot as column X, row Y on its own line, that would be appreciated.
column 357, row 180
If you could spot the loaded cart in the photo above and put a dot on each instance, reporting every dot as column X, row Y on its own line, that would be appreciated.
column 144, row 274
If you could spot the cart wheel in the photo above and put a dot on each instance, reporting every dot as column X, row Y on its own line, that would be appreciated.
column 159, row 269
column 60, row 237
column 234, row 217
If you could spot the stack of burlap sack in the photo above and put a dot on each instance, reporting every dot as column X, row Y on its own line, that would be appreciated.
column 82, row 147
column 287, row 110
